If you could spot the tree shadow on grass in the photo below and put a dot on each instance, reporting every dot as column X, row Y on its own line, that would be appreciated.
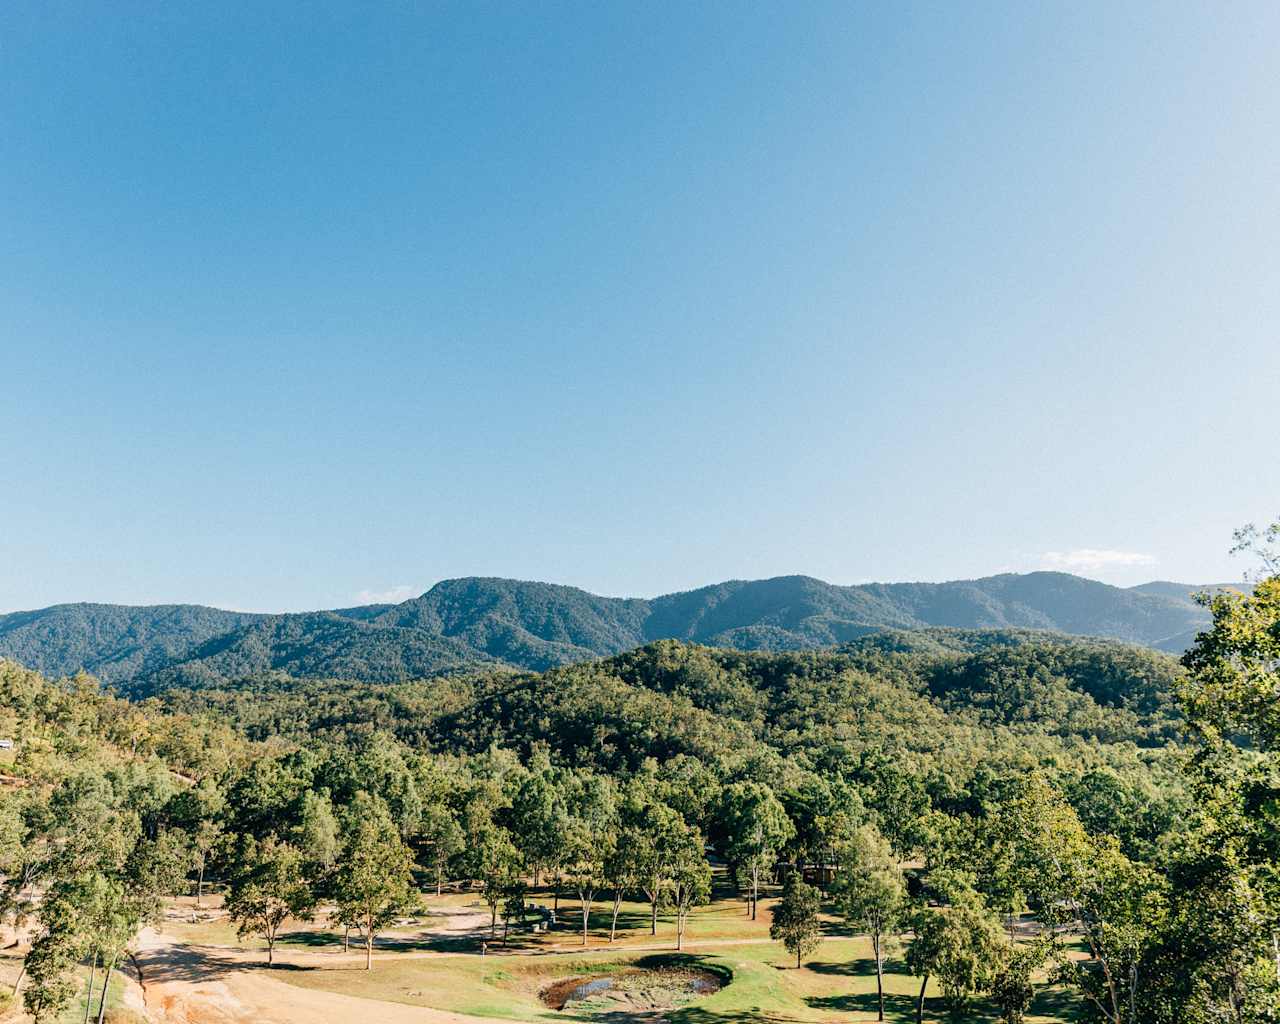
column 435, row 943
column 896, row 1007
column 844, row 968
column 421, row 942
column 1056, row 1002
column 277, row 966
column 751, row 1015
column 628, row 920
column 310, row 938
column 198, row 964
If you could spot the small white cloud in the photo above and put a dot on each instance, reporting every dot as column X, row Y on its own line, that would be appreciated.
column 1095, row 560
column 392, row 595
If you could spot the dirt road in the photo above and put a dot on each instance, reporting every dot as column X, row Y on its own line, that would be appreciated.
column 215, row 985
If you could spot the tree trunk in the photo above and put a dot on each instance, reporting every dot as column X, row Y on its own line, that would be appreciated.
column 755, row 890
column 679, row 930
column 200, row 883
column 439, row 881
column 368, row 950
column 18, row 984
column 617, row 905
column 797, row 959
column 106, row 983
column 586, row 916
column 346, row 938
column 924, row 984
column 653, row 913
column 875, row 942
column 271, row 948
column 88, row 999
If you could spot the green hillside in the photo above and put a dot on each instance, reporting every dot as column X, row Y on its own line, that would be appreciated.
column 310, row 645
column 111, row 641
column 479, row 621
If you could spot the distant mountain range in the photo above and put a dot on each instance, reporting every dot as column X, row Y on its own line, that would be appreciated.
column 474, row 622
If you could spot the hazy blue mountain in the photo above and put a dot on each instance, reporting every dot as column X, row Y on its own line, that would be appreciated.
column 799, row 611
column 1187, row 591
column 1184, row 593
column 473, row 621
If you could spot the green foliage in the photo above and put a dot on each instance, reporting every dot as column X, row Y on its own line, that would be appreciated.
column 688, row 877
column 795, row 919
column 311, row 645
column 1012, row 981
column 440, row 836
column 1233, row 686
column 872, row 892
column 371, row 884
column 492, row 858
column 267, row 887
column 1216, row 954
column 1066, row 687
column 539, row 819
column 961, row 946
column 317, row 834
column 590, row 838
column 753, row 827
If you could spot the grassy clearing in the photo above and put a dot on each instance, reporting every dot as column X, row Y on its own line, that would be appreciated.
column 838, row 982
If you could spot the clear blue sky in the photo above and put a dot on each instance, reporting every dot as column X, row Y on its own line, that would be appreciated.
column 301, row 304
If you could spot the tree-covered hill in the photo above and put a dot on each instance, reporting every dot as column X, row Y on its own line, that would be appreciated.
column 311, row 645
column 919, row 690
column 111, row 641
column 533, row 625
column 536, row 626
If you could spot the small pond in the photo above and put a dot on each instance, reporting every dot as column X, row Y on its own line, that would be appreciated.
column 661, row 988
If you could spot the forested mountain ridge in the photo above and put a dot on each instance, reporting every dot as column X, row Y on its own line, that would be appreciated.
column 315, row 644
column 111, row 641
column 479, row 621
